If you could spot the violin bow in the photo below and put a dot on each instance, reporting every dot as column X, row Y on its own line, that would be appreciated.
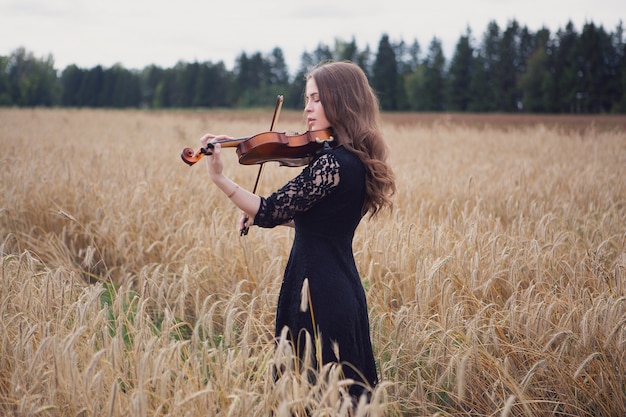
column 277, row 108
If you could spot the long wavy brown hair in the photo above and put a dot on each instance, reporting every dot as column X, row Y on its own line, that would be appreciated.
column 352, row 108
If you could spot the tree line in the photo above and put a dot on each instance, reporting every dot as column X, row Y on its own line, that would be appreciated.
column 508, row 69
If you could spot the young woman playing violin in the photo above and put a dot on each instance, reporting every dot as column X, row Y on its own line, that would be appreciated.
column 325, row 204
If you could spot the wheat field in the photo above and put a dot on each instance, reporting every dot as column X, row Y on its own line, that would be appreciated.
column 496, row 287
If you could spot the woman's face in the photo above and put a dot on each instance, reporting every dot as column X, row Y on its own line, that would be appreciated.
column 314, row 110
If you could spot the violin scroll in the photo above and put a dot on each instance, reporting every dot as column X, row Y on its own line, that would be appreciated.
column 190, row 157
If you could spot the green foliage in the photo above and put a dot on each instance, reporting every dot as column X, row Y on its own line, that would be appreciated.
column 510, row 70
column 119, row 321
column 5, row 96
column 28, row 81
column 434, row 86
column 459, row 75
column 414, row 84
column 122, row 312
column 385, row 75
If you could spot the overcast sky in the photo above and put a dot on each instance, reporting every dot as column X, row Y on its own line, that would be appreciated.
column 137, row 33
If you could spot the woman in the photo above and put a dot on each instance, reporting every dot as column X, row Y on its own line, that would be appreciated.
column 325, row 204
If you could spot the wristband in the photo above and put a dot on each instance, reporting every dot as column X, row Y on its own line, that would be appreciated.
column 233, row 192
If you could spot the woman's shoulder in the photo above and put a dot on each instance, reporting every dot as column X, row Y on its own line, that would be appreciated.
column 340, row 158
column 334, row 155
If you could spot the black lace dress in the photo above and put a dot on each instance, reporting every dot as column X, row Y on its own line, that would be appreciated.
column 325, row 201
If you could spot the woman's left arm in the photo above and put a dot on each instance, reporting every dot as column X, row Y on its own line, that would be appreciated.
column 309, row 187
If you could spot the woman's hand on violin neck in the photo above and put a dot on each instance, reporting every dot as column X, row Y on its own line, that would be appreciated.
column 210, row 137
column 213, row 161
column 206, row 139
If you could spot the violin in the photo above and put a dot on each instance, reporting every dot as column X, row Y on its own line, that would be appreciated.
column 287, row 150
column 294, row 151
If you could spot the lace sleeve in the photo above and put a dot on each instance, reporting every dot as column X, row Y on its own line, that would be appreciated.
column 314, row 183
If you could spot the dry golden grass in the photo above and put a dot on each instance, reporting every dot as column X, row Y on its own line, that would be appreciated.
column 497, row 287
